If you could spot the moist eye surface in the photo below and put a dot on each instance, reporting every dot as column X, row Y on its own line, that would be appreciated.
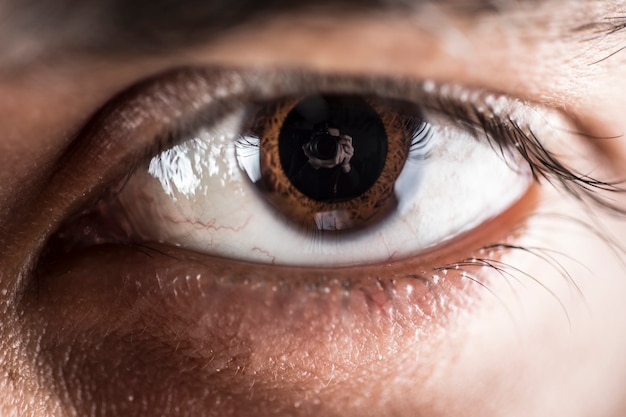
column 220, row 188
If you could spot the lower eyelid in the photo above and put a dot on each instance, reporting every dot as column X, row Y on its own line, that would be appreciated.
column 135, row 286
column 225, row 324
column 169, row 268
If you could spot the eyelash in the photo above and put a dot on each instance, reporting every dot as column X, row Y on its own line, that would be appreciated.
column 504, row 135
column 419, row 132
column 421, row 138
column 469, row 109
column 473, row 112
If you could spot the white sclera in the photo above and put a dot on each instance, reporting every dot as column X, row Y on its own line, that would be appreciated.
column 196, row 195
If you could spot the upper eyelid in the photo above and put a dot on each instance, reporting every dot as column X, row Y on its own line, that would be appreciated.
column 507, row 123
column 175, row 105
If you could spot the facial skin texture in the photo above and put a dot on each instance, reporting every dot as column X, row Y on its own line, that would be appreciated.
column 528, row 345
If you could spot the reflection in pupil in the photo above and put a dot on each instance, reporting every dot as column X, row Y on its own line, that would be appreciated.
column 332, row 148
column 323, row 146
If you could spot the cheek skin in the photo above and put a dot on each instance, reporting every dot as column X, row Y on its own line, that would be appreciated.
column 250, row 347
column 519, row 348
column 271, row 340
column 557, row 347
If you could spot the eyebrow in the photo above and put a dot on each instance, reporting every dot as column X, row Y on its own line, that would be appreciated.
column 125, row 27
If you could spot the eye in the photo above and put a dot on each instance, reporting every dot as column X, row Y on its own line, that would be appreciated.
column 183, row 160
column 270, row 182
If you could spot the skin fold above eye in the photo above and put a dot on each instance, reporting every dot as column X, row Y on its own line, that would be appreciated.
column 89, row 337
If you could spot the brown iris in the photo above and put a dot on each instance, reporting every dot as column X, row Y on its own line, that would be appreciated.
column 330, row 162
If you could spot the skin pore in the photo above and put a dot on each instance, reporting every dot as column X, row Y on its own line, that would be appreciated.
column 102, row 335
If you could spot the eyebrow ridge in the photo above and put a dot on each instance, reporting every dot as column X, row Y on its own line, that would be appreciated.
column 156, row 26
column 125, row 28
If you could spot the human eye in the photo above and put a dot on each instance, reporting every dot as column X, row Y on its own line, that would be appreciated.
column 191, row 294
column 183, row 259
column 226, row 185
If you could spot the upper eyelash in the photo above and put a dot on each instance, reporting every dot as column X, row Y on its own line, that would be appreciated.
column 508, row 136
column 468, row 108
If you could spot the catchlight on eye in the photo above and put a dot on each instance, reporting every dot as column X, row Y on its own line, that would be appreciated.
column 329, row 161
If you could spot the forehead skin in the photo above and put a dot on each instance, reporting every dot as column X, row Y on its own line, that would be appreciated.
column 550, row 52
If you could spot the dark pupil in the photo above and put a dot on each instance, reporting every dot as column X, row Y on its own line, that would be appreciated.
column 323, row 146
column 312, row 147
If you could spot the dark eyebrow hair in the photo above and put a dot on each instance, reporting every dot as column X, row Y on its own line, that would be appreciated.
column 132, row 26
column 165, row 23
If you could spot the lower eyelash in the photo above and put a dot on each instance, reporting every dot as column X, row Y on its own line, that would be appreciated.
column 469, row 268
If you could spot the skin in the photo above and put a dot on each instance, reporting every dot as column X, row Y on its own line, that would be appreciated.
column 524, row 347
